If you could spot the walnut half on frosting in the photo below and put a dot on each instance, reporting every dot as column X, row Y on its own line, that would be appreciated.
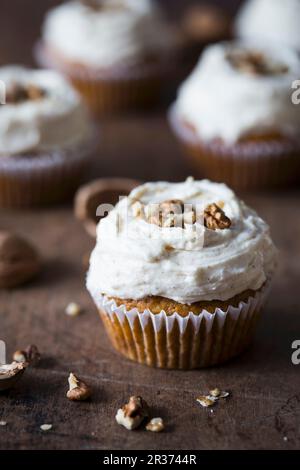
column 165, row 213
column 18, row 93
column 255, row 63
column 170, row 213
column 215, row 218
column 174, row 213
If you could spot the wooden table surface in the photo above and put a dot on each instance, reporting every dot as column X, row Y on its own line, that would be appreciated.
column 264, row 408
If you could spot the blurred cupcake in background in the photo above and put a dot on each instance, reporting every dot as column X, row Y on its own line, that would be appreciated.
column 235, row 117
column 276, row 21
column 117, row 53
column 46, row 140
column 202, row 24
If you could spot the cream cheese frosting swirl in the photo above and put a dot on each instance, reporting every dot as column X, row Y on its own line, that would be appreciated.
column 134, row 259
column 55, row 119
column 119, row 32
column 222, row 101
column 276, row 21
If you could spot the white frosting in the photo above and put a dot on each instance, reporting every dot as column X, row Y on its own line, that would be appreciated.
column 108, row 37
column 56, row 120
column 270, row 20
column 222, row 102
column 135, row 260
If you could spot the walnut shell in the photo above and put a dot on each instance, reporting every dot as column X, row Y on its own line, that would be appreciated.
column 10, row 374
column 19, row 260
column 100, row 191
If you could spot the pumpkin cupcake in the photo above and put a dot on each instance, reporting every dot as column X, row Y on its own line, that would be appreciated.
column 235, row 117
column 116, row 52
column 45, row 138
column 275, row 21
column 180, row 272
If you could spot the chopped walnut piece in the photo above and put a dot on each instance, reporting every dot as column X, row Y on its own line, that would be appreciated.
column 73, row 309
column 206, row 401
column 78, row 390
column 214, row 396
column 10, row 374
column 165, row 213
column 19, row 356
column 224, row 394
column 138, row 209
column 215, row 392
column 30, row 355
column 255, row 63
column 155, row 425
column 33, row 355
column 10, row 370
column 35, row 92
column 46, row 427
column 169, row 248
column 215, row 218
column 17, row 93
column 133, row 413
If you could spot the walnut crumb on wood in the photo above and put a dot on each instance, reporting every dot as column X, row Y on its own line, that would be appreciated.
column 155, row 425
column 133, row 413
column 31, row 355
column 214, row 395
column 73, row 309
column 205, row 401
column 46, row 427
column 78, row 390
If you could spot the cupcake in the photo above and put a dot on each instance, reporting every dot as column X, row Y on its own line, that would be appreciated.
column 275, row 21
column 235, row 117
column 179, row 274
column 116, row 52
column 45, row 138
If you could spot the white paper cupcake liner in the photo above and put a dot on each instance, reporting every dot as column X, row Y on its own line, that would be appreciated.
column 174, row 341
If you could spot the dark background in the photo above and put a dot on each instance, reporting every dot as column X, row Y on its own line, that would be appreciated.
column 264, row 408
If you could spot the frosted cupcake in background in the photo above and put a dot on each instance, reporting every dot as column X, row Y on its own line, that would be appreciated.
column 116, row 52
column 45, row 138
column 275, row 21
column 180, row 273
column 235, row 117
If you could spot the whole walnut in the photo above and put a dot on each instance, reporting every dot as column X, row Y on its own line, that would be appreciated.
column 19, row 260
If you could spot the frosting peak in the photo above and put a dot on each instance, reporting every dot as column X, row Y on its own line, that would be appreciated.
column 135, row 258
